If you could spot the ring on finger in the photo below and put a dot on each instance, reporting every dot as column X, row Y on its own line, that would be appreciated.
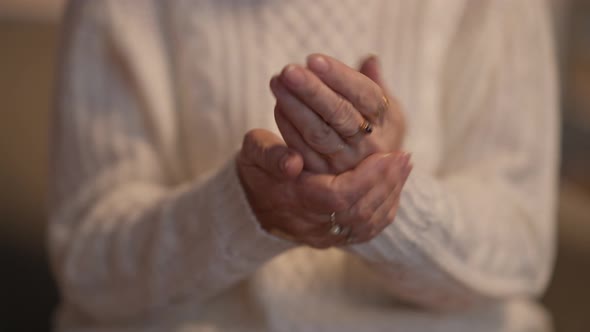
column 366, row 127
column 383, row 106
column 335, row 228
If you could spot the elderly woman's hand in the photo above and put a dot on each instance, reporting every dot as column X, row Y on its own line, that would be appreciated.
column 320, row 210
column 334, row 115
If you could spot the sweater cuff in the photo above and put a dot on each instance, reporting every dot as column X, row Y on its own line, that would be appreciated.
column 240, row 237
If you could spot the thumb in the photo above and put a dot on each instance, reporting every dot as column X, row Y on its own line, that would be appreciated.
column 267, row 151
column 370, row 68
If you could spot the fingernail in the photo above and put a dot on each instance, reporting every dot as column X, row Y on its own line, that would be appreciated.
column 294, row 75
column 318, row 64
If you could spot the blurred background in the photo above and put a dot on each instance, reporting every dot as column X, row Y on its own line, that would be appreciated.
column 29, row 33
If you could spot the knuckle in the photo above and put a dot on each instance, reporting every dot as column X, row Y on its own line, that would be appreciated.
column 319, row 135
column 342, row 112
column 338, row 200
column 363, row 213
column 339, row 203
column 313, row 91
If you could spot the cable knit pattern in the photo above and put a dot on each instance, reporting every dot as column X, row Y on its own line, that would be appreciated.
column 151, row 230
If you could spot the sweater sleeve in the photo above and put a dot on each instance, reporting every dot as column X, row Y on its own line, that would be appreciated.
column 482, row 228
column 129, row 235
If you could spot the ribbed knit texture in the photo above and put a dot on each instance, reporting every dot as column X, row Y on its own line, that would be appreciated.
column 151, row 230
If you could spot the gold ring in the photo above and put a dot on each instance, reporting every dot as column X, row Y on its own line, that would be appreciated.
column 366, row 127
column 382, row 108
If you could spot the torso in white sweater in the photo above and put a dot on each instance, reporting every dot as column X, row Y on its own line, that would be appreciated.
column 151, row 230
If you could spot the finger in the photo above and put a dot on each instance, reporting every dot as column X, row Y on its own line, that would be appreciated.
column 314, row 130
column 365, row 95
column 371, row 171
column 335, row 110
column 311, row 159
column 324, row 238
column 266, row 150
column 326, row 193
column 300, row 228
column 389, row 210
column 380, row 219
column 316, row 235
column 392, row 213
column 386, row 212
column 364, row 209
column 370, row 68
column 320, row 242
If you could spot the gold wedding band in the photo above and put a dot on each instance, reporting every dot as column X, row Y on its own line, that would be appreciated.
column 366, row 127
column 382, row 108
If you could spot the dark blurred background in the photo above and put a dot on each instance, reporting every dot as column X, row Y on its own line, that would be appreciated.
column 29, row 31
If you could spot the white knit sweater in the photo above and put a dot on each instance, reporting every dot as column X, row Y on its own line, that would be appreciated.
column 150, row 227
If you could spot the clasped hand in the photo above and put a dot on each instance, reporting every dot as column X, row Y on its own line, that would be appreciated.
column 339, row 163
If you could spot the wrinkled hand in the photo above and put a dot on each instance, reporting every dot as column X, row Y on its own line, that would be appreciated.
column 321, row 109
column 297, row 204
